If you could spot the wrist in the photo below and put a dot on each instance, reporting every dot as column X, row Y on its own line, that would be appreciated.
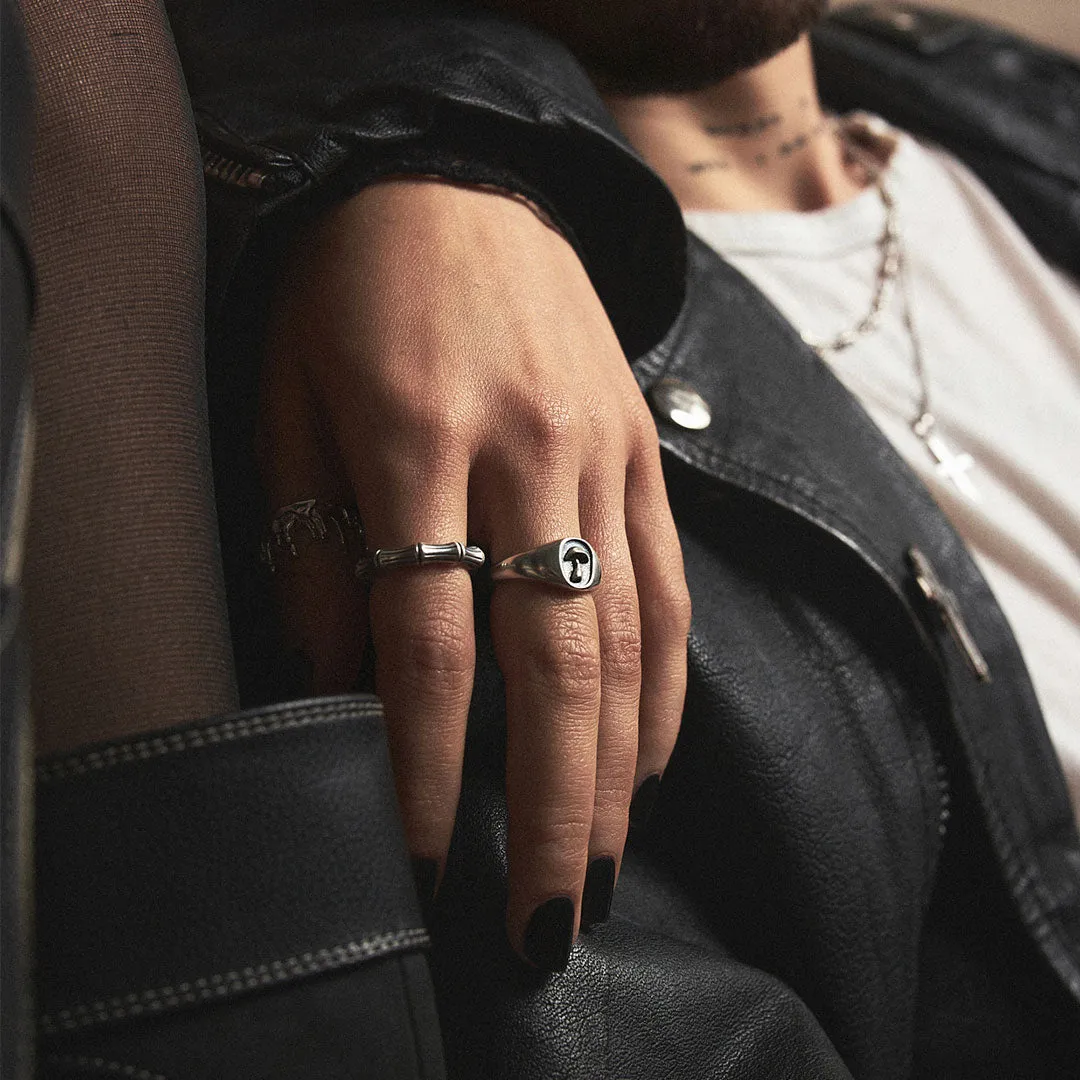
column 484, row 188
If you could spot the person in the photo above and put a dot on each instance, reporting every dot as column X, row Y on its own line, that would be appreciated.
column 792, row 907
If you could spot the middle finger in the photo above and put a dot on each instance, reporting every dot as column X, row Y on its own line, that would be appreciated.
column 547, row 645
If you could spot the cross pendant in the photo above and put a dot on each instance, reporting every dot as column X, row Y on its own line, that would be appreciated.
column 953, row 466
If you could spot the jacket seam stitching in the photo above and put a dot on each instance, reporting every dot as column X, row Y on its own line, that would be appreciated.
column 84, row 1063
column 222, row 985
column 197, row 738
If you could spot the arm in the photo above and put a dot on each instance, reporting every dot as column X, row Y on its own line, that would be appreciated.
column 296, row 115
column 475, row 386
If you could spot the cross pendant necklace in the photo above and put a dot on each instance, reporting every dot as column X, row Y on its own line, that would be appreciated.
column 952, row 465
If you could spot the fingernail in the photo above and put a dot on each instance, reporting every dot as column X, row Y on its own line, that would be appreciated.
column 596, row 896
column 425, row 875
column 550, row 934
column 644, row 801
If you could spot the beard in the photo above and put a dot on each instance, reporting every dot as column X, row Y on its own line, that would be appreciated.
column 668, row 46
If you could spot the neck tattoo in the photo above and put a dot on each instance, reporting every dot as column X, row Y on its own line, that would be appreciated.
column 745, row 128
column 778, row 152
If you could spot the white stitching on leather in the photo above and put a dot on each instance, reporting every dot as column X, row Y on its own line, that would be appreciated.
column 194, row 738
column 100, row 1065
column 217, row 987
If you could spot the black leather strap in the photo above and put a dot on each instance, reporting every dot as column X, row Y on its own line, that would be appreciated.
column 203, row 863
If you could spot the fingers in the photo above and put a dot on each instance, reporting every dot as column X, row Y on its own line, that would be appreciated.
column 323, row 611
column 547, row 644
column 595, row 683
column 444, row 359
column 616, row 602
column 664, row 603
column 422, row 630
column 601, row 688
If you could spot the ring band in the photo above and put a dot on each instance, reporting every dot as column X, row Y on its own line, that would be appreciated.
column 569, row 563
column 314, row 518
column 419, row 555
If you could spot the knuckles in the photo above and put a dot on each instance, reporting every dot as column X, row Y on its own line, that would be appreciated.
column 563, row 664
column 571, row 675
column 544, row 419
column 433, row 422
column 555, row 834
column 666, row 604
column 434, row 657
column 611, row 801
column 550, row 425
column 622, row 653
column 644, row 434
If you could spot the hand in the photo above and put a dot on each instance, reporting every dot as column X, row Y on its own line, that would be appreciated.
column 472, row 387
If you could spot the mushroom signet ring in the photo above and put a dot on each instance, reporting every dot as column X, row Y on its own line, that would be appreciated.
column 569, row 563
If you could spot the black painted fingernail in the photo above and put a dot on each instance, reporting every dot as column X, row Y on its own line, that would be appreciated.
column 644, row 801
column 550, row 934
column 596, row 896
column 425, row 875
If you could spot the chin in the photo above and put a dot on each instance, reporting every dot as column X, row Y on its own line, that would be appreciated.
column 668, row 46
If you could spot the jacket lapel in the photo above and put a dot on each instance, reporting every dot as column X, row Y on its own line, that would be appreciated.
column 783, row 425
column 786, row 429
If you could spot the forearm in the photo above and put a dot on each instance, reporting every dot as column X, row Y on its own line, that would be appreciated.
column 295, row 115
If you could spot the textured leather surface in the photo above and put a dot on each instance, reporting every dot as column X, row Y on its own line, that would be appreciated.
column 1007, row 107
column 203, row 864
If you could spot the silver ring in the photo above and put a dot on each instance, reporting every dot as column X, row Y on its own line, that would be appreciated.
column 569, row 563
column 419, row 555
column 315, row 518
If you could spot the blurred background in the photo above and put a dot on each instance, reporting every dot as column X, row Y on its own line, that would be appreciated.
column 1053, row 22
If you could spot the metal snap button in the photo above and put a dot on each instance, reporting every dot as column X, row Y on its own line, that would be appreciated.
column 681, row 404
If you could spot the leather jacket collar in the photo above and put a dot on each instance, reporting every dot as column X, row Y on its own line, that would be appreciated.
column 786, row 429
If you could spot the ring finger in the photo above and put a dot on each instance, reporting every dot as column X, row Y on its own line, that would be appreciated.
column 619, row 628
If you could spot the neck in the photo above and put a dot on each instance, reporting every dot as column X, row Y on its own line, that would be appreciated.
column 756, row 141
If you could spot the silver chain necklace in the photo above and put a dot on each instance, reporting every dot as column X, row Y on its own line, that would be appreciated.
column 951, row 464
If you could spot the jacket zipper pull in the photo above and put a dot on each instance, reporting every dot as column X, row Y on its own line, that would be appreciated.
column 943, row 600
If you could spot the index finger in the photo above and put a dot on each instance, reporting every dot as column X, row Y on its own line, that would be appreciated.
column 423, row 636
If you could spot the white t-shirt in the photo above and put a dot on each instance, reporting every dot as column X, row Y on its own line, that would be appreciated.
column 1000, row 336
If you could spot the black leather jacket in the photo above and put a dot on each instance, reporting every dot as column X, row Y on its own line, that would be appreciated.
column 863, row 861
